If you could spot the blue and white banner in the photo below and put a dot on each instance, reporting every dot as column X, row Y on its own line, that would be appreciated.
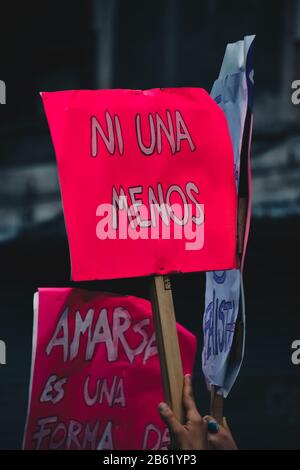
column 224, row 315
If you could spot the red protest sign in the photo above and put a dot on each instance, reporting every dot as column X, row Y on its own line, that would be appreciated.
column 147, row 181
column 95, row 376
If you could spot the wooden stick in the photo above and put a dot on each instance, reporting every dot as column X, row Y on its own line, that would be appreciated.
column 216, row 404
column 167, row 343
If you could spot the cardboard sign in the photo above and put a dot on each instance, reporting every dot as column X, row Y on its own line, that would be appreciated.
column 147, row 181
column 95, row 377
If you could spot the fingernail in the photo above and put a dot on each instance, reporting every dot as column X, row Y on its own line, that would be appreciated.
column 162, row 406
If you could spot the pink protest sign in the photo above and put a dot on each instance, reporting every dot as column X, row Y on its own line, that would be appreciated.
column 147, row 181
column 95, row 376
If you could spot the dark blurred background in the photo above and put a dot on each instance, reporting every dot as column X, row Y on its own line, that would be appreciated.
column 54, row 45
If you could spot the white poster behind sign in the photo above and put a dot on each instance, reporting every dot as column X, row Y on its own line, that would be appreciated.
column 224, row 315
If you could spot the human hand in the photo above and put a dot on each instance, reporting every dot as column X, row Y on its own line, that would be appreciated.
column 222, row 438
column 193, row 434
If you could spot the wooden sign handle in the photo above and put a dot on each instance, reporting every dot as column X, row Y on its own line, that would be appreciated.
column 216, row 404
column 167, row 343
